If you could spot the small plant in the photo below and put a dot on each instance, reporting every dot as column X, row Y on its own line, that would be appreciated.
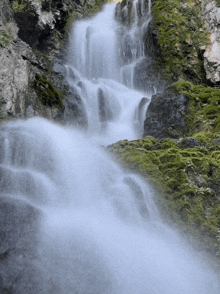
column 19, row 5
column 5, row 38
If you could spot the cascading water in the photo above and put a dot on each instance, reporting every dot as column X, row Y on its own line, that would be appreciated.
column 103, row 80
column 73, row 220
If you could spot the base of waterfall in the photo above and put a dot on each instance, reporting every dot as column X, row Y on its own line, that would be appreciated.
column 72, row 221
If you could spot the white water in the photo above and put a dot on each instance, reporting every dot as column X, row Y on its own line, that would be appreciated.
column 94, row 65
column 101, row 232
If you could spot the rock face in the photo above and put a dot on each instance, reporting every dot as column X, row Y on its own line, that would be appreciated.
column 211, row 15
column 19, row 65
column 31, row 34
column 148, row 77
column 166, row 116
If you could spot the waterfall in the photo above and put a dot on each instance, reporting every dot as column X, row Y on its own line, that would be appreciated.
column 99, row 74
column 72, row 220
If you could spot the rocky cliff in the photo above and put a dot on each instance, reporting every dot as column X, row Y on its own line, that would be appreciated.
column 32, row 34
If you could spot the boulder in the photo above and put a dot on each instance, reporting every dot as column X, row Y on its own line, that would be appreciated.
column 166, row 116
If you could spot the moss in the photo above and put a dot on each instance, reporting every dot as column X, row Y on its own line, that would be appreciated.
column 19, row 5
column 203, row 106
column 47, row 92
column 185, row 179
column 204, row 137
column 180, row 36
column 5, row 38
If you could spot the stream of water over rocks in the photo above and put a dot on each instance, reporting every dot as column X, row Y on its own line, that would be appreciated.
column 72, row 221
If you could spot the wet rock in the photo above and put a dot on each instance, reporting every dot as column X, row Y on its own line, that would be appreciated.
column 105, row 111
column 141, row 105
column 148, row 76
column 74, row 112
column 166, row 116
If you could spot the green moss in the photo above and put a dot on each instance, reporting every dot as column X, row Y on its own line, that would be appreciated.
column 5, row 38
column 19, row 5
column 180, row 36
column 217, row 2
column 47, row 92
column 204, row 137
column 184, row 179
column 203, row 106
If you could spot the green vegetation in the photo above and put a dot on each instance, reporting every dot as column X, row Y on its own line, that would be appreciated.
column 203, row 105
column 5, row 38
column 186, row 179
column 47, row 92
column 218, row 2
column 19, row 5
column 180, row 37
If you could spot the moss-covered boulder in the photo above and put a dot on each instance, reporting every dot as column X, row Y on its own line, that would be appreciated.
column 186, row 177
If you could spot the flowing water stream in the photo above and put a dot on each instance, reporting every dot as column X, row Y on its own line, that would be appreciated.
column 88, row 226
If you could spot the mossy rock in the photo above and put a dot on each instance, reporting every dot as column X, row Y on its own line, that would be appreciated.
column 203, row 107
column 187, row 181
column 180, row 35
column 48, row 94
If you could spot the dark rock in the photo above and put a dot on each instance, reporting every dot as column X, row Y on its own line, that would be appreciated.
column 189, row 142
column 166, row 116
column 141, row 105
column 216, row 141
column 149, row 77
column 105, row 111
column 74, row 112
column 151, row 47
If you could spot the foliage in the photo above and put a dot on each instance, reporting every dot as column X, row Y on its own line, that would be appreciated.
column 47, row 92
